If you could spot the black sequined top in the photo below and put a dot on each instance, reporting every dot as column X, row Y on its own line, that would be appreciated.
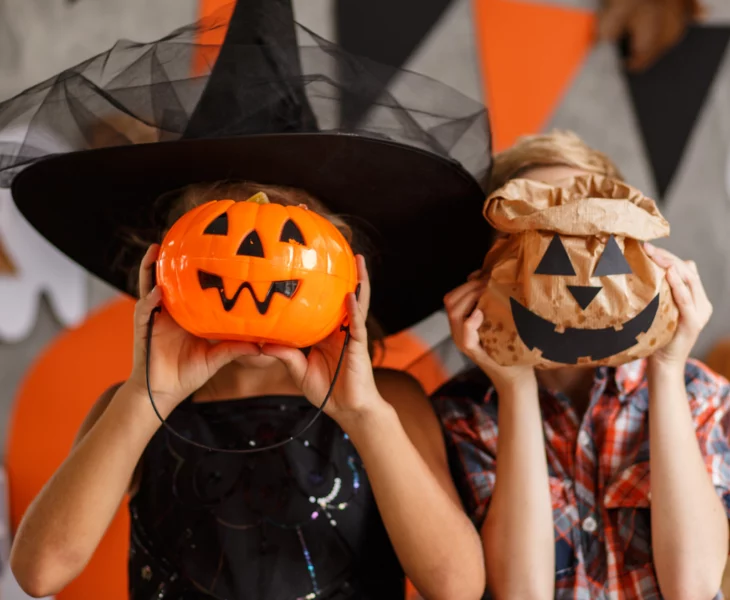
column 296, row 522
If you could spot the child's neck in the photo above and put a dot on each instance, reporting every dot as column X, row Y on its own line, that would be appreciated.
column 238, row 381
column 575, row 383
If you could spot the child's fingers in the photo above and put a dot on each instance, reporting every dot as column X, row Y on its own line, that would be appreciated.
column 685, row 272
column 221, row 354
column 691, row 278
column 455, row 296
column 471, row 332
column 356, row 319
column 293, row 359
column 145, row 306
column 145, row 270
column 472, row 345
column 457, row 312
column 680, row 292
column 466, row 304
column 660, row 256
column 363, row 280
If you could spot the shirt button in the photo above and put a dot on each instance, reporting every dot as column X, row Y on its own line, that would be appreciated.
column 590, row 525
column 583, row 438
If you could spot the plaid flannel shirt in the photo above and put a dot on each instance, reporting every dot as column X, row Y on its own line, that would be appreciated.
column 598, row 469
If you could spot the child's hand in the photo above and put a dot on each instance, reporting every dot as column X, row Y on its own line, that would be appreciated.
column 464, row 321
column 355, row 389
column 180, row 362
column 694, row 307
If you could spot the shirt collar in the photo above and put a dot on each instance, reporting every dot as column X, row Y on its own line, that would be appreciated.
column 627, row 377
column 621, row 382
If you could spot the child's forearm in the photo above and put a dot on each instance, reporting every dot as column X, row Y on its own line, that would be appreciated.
column 65, row 523
column 518, row 532
column 435, row 541
column 688, row 522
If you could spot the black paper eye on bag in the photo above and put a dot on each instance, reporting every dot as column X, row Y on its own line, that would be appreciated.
column 612, row 261
column 555, row 261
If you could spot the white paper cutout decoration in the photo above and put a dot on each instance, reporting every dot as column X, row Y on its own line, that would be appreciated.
column 39, row 268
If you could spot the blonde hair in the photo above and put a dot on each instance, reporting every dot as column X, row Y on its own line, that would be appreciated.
column 556, row 148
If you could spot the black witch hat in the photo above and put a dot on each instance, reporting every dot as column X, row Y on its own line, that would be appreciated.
column 101, row 141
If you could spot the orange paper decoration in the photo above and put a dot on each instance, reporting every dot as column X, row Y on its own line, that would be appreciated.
column 54, row 397
column 529, row 54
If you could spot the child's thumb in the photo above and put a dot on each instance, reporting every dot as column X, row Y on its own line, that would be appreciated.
column 144, row 307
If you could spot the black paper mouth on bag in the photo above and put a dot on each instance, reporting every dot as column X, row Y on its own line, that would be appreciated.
column 573, row 344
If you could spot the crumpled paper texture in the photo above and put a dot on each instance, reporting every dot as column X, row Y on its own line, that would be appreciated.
column 584, row 213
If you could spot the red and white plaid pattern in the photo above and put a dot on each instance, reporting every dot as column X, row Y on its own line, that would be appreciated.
column 598, row 467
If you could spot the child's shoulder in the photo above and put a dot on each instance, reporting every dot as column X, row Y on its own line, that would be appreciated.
column 465, row 397
column 385, row 376
column 702, row 382
column 708, row 394
column 399, row 388
column 471, row 383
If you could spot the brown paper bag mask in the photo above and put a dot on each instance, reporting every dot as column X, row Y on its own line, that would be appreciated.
column 570, row 283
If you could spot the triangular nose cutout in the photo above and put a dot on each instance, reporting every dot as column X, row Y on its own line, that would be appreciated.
column 584, row 294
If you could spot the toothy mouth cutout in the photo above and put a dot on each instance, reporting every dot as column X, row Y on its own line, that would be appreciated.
column 211, row 281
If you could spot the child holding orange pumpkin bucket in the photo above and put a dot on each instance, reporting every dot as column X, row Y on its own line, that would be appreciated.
column 286, row 466
column 596, row 456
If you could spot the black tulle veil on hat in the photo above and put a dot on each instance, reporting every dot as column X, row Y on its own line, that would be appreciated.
column 89, row 151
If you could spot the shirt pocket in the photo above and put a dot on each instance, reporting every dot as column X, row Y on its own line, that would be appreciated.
column 627, row 500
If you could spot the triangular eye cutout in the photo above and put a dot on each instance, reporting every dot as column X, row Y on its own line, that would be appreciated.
column 612, row 261
column 291, row 234
column 556, row 260
column 218, row 226
column 251, row 246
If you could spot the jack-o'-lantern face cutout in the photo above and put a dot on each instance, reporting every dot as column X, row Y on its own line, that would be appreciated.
column 567, row 344
column 256, row 271
column 571, row 283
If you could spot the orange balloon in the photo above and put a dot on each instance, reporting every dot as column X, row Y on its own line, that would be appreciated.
column 259, row 272
column 53, row 399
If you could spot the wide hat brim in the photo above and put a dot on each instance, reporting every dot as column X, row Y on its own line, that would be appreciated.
column 420, row 212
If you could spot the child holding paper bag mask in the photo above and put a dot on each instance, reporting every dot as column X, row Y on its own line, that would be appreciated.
column 571, row 283
column 613, row 477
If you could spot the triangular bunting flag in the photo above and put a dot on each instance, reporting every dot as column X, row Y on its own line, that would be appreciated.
column 386, row 31
column 669, row 97
column 529, row 54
